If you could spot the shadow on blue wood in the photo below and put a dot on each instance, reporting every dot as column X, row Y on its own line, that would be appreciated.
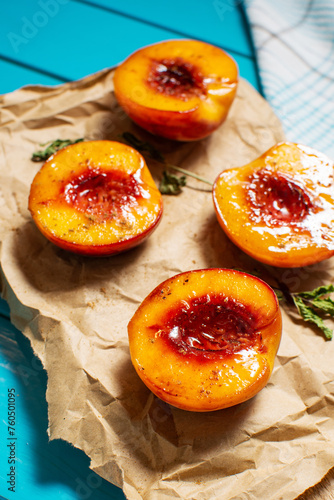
column 43, row 468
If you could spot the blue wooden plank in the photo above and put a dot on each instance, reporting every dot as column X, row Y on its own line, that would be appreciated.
column 16, row 75
column 78, row 39
column 54, row 470
column 219, row 21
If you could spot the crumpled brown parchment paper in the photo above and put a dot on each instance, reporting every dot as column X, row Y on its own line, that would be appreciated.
column 75, row 312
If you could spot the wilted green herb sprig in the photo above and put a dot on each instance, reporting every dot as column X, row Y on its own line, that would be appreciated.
column 314, row 306
column 171, row 184
column 52, row 147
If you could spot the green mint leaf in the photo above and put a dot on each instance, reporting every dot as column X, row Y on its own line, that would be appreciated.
column 171, row 184
column 326, row 305
column 142, row 146
column 317, row 292
column 53, row 147
column 310, row 315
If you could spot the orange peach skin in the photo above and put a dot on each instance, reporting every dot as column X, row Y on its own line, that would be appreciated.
column 180, row 115
column 210, row 380
column 75, row 203
column 295, row 227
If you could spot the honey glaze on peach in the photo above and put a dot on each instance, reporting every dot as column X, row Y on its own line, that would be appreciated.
column 210, row 326
column 277, row 200
column 175, row 77
column 103, row 195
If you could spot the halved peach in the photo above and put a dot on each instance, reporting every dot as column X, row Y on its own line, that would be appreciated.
column 207, row 339
column 178, row 89
column 95, row 198
column 279, row 209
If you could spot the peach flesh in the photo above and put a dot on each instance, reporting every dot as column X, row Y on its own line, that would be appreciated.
column 178, row 89
column 279, row 208
column 95, row 198
column 215, row 333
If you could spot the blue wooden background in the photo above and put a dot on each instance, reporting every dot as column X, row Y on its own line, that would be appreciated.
column 50, row 42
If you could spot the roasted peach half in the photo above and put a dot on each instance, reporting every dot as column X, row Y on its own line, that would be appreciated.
column 178, row 89
column 95, row 198
column 279, row 209
column 206, row 339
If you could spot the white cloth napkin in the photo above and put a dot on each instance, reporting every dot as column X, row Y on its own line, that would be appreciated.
column 294, row 42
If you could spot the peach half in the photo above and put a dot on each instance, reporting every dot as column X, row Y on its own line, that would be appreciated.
column 207, row 339
column 95, row 198
column 178, row 89
column 279, row 209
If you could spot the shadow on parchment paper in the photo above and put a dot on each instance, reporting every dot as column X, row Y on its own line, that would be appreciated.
column 52, row 269
column 180, row 427
column 219, row 251
column 304, row 278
